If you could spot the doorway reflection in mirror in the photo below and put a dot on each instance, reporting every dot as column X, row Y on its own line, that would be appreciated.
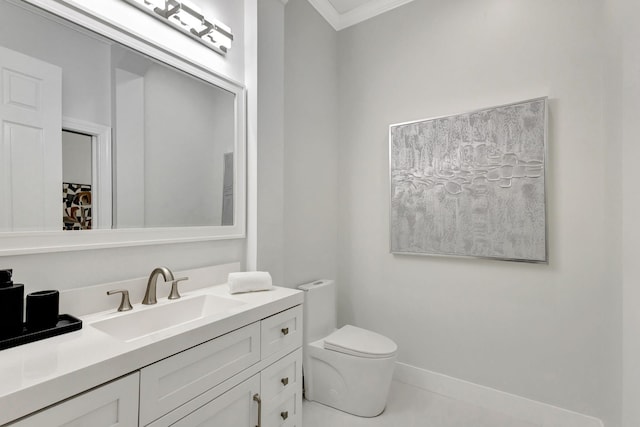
column 76, row 181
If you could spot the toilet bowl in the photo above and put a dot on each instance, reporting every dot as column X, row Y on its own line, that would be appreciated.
column 350, row 368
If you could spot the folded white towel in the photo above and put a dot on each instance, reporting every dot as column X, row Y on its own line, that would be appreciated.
column 249, row 281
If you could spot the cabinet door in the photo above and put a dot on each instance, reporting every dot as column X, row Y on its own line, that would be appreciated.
column 235, row 408
column 110, row 405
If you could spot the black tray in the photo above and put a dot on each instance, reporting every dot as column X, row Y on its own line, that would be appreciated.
column 66, row 323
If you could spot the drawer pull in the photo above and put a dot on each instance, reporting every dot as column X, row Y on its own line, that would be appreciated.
column 285, row 331
column 284, row 414
column 256, row 398
column 285, row 381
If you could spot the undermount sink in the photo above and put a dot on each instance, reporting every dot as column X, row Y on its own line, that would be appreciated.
column 166, row 315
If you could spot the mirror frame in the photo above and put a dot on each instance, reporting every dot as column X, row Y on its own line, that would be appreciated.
column 19, row 243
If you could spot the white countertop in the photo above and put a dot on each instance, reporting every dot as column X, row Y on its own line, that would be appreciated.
column 36, row 375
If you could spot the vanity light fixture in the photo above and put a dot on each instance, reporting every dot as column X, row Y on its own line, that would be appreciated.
column 188, row 18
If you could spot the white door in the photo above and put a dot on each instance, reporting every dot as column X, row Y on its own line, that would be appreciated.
column 30, row 143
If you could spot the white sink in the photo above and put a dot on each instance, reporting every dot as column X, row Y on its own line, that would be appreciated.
column 164, row 316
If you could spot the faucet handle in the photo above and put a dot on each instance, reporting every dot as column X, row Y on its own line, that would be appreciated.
column 174, row 287
column 125, row 303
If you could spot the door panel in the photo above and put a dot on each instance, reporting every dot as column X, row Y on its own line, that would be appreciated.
column 21, row 90
column 30, row 143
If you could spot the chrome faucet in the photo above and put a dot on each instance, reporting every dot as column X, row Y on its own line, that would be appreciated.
column 150, row 295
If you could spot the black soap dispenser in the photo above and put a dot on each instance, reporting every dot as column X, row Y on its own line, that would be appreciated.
column 11, row 305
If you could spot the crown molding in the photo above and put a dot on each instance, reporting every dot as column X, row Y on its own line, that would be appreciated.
column 361, row 13
column 328, row 12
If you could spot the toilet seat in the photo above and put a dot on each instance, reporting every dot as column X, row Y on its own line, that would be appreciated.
column 360, row 342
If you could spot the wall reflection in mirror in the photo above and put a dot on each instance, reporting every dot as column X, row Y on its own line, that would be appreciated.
column 169, row 158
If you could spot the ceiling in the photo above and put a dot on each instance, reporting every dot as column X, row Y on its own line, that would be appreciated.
column 344, row 13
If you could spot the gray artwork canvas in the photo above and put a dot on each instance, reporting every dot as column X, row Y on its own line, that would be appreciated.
column 471, row 184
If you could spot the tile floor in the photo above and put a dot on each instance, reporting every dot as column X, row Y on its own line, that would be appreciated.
column 409, row 406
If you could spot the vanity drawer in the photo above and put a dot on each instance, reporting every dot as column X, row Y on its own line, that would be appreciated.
column 282, row 332
column 167, row 384
column 285, row 412
column 281, row 377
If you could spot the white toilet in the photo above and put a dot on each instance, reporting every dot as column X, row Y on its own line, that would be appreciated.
column 350, row 368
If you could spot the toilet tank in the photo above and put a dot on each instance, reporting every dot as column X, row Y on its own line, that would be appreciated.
column 319, row 309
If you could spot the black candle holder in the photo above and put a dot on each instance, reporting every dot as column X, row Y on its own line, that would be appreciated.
column 42, row 310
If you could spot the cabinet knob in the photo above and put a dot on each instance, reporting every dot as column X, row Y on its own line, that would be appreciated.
column 285, row 381
column 285, row 331
column 284, row 414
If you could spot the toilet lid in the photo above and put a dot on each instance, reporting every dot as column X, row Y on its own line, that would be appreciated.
column 360, row 342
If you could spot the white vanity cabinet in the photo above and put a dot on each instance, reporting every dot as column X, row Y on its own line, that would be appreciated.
column 238, row 371
column 228, row 381
column 111, row 405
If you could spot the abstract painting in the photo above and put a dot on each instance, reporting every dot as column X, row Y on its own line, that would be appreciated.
column 76, row 206
column 471, row 184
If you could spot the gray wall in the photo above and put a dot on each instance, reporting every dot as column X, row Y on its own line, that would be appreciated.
column 128, row 113
column 311, row 146
column 76, row 158
column 624, row 113
column 538, row 331
column 613, row 204
column 548, row 332
column 184, row 164
column 297, row 143
column 270, row 203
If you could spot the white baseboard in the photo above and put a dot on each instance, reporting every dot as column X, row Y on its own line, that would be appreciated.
column 521, row 408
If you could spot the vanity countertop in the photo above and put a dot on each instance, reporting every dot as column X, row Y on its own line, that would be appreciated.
column 36, row 375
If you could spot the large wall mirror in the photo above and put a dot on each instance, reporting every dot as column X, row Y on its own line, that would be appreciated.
column 102, row 145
